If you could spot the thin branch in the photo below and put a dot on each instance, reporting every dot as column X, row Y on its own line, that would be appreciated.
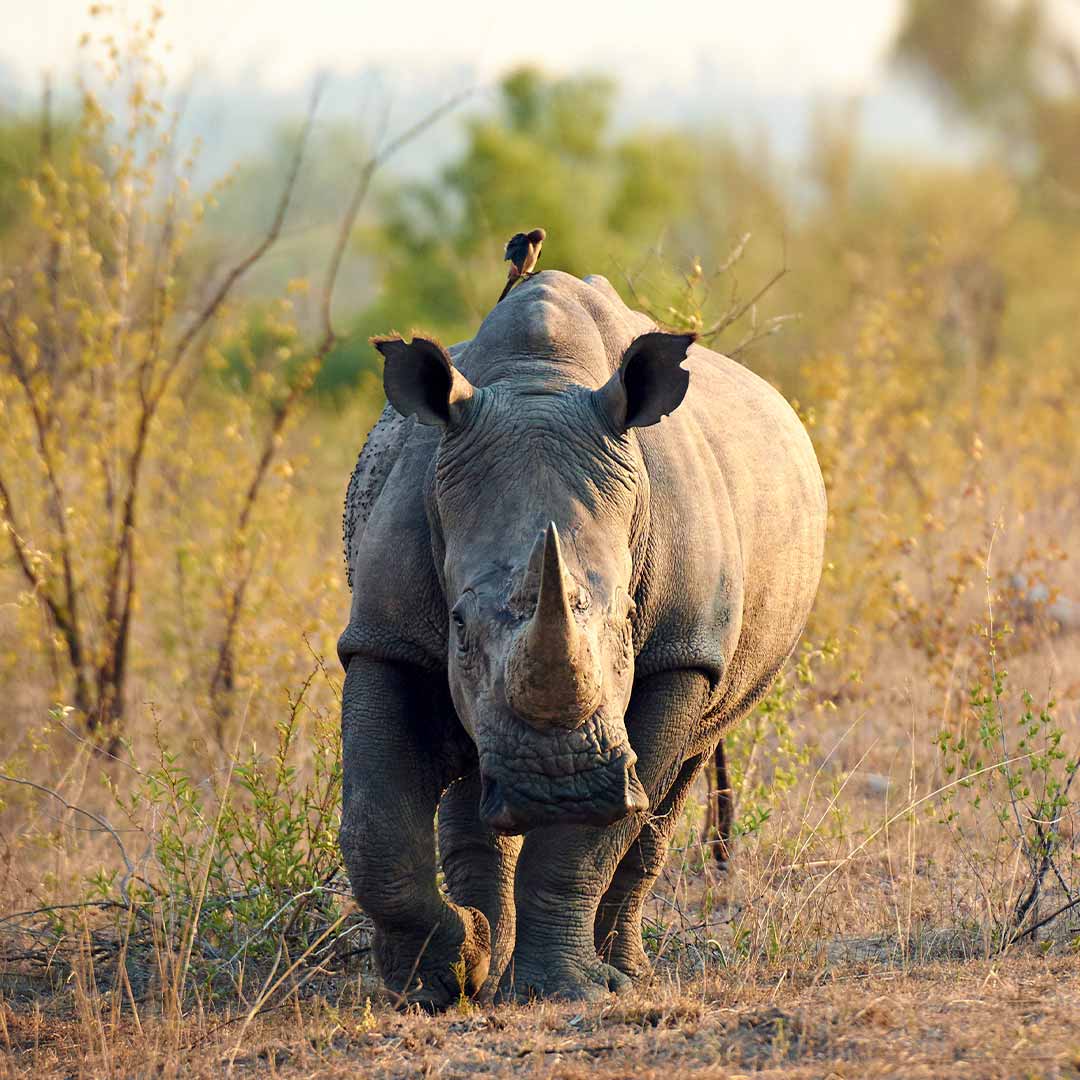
column 164, row 247
column 72, row 631
column 1027, row 931
column 245, row 264
column 733, row 314
column 1047, row 863
column 734, row 255
column 315, row 890
column 99, row 750
column 632, row 286
column 51, row 348
column 119, row 599
column 102, row 905
column 40, row 587
column 221, row 679
column 66, row 615
column 93, row 817
column 374, row 163
column 758, row 333
column 19, row 546
column 1037, row 869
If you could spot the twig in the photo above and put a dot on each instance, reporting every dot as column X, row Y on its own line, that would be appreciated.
column 757, row 333
column 734, row 255
column 101, row 904
column 735, row 313
column 314, row 890
column 56, row 500
column 93, row 817
column 375, row 162
column 1075, row 902
column 245, row 264
column 100, row 750
column 992, row 655
column 221, row 679
column 59, row 613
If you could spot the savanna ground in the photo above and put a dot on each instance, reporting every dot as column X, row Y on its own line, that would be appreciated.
column 176, row 432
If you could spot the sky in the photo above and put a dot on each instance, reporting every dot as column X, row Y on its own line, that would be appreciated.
column 750, row 67
column 785, row 46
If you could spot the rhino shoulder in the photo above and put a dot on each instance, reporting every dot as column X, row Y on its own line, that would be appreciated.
column 377, row 459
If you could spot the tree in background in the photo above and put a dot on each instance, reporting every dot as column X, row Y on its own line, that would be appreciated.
column 659, row 202
column 24, row 142
column 103, row 332
column 129, row 484
column 1010, row 69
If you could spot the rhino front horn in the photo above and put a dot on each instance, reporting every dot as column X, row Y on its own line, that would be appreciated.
column 552, row 679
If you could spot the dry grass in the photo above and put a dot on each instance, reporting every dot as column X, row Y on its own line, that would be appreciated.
column 990, row 1018
column 836, row 946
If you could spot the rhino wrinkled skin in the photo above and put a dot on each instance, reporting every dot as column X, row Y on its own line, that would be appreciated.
column 562, row 597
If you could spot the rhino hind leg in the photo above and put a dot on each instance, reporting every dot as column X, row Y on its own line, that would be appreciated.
column 618, row 919
column 719, row 827
column 478, row 865
column 564, row 872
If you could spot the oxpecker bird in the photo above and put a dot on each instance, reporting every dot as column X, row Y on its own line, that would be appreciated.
column 522, row 253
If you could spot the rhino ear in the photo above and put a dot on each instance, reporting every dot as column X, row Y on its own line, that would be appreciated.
column 419, row 377
column 650, row 382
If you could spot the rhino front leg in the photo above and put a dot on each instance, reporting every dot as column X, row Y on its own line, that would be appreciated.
column 399, row 752
column 479, row 868
column 618, row 920
column 564, row 871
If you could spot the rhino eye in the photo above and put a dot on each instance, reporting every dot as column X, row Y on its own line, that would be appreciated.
column 458, row 618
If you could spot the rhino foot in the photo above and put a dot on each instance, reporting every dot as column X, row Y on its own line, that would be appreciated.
column 563, row 980
column 437, row 969
column 627, row 954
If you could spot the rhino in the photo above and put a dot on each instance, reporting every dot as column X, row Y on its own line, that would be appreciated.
column 580, row 548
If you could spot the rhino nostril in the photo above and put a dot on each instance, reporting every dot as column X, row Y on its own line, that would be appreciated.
column 494, row 811
column 636, row 798
column 490, row 793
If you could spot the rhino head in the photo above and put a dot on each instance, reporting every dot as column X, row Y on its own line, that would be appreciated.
column 539, row 512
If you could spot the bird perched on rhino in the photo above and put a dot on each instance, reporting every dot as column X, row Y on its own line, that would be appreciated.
column 522, row 253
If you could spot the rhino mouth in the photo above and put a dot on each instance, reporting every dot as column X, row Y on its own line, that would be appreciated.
column 585, row 777
column 506, row 810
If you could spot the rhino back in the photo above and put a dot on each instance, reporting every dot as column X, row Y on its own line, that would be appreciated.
column 374, row 465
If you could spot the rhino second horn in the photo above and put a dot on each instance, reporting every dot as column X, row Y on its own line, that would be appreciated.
column 552, row 679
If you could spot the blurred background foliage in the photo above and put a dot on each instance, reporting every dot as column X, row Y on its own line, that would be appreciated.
column 921, row 316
